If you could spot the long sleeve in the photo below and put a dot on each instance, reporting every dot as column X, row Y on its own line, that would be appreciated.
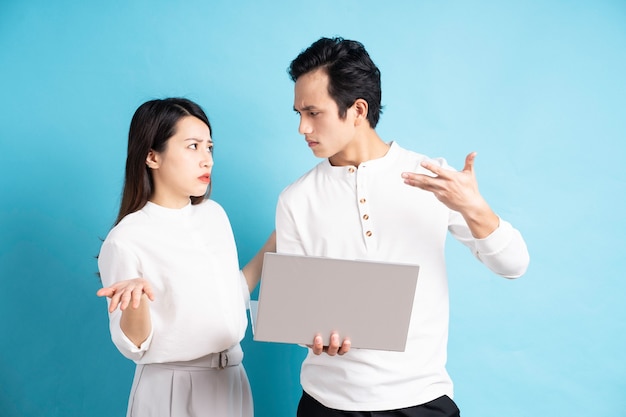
column 116, row 263
column 504, row 251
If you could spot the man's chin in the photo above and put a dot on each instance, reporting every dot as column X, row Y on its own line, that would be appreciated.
column 320, row 153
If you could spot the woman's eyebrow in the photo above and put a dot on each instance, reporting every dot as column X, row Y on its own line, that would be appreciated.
column 200, row 140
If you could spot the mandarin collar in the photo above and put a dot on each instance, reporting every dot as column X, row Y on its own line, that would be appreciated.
column 383, row 162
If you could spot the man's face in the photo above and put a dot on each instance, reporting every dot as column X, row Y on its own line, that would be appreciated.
column 325, row 133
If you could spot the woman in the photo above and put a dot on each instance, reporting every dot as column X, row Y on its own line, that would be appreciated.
column 170, row 270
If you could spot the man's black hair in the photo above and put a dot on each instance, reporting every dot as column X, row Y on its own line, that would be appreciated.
column 351, row 72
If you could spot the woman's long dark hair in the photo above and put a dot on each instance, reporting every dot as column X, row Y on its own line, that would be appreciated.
column 153, row 123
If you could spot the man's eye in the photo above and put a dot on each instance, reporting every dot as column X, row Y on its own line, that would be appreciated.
column 314, row 113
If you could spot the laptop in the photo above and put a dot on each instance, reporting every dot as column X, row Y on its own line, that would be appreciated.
column 366, row 301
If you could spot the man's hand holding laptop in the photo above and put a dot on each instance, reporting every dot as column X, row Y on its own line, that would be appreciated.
column 333, row 347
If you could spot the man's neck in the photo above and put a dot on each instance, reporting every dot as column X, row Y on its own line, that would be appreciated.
column 364, row 148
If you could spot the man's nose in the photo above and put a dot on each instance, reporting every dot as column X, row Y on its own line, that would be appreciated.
column 304, row 127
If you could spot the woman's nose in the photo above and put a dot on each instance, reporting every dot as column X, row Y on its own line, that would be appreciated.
column 207, row 161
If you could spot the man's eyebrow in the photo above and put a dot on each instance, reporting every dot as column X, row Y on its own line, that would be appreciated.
column 306, row 108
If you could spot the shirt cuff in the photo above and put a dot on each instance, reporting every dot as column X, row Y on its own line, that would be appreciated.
column 497, row 241
column 132, row 348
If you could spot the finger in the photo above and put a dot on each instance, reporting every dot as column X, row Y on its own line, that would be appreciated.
column 105, row 292
column 318, row 345
column 416, row 180
column 333, row 346
column 147, row 289
column 411, row 176
column 115, row 300
column 125, row 300
column 424, row 182
column 345, row 347
column 435, row 169
column 136, row 297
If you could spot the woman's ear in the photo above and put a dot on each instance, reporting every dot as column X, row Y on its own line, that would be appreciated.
column 152, row 160
column 361, row 108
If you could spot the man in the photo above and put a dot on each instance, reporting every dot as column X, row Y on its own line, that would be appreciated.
column 373, row 200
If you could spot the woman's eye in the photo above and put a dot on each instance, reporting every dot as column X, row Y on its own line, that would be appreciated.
column 193, row 146
column 210, row 149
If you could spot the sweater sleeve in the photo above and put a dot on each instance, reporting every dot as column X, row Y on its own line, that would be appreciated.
column 504, row 251
column 117, row 263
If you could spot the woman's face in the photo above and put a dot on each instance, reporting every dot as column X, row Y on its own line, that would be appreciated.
column 183, row 169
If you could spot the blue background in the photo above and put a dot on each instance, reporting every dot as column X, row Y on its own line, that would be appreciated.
column 538, row 88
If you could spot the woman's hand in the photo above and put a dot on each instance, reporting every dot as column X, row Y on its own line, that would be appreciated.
column 127, row 293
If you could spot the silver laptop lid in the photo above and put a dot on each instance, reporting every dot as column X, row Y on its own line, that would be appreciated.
column 369, row 302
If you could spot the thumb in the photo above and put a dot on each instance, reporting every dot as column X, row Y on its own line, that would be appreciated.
column 469, row 162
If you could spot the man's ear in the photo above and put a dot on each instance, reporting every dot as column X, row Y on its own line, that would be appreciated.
column 152, row 160
column 361, row 108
